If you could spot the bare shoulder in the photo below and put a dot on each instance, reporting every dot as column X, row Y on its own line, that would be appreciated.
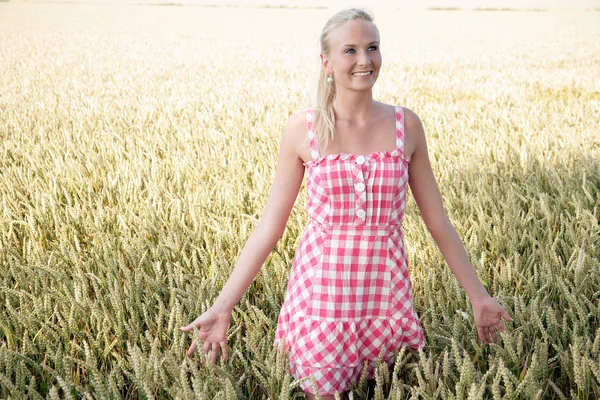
column 414, row 135
column 296, row 125
column 412, row 122
column 295, row 135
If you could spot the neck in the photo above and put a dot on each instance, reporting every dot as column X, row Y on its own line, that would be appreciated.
column 350, row 105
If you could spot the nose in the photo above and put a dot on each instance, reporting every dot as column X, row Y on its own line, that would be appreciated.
column 364, row 58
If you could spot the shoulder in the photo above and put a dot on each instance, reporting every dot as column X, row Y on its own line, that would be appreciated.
column 296, row 126
column 412, row 122
column 413, row 126
column 414, row 135
column 298, row 120
column 295, row 135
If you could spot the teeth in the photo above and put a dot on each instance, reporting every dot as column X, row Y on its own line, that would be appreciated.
column 361, row 73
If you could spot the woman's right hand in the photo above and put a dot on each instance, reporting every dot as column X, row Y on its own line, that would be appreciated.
column 213, row 326
column 213, row 323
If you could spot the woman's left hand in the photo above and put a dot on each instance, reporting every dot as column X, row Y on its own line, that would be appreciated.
column 488, row 315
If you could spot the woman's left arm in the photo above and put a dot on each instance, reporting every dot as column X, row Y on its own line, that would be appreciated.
column 488, row 313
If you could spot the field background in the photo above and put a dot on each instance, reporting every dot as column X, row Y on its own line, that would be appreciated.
column 137, row 147
column 337, row 4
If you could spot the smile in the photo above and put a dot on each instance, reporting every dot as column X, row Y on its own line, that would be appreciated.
column 362, row 73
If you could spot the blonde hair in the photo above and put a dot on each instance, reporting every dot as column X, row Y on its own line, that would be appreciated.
column 325, row 117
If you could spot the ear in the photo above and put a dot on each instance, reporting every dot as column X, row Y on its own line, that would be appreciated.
column 326, row 64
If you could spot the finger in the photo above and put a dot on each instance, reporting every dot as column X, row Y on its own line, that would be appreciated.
column 192, row 348
column 224, row 350
column 191, row 326
column 215, row 352
column 501, row 327
column 480, row 334
column 488, row 335
column 506, row 316
column 494, row 335
column 205, row 352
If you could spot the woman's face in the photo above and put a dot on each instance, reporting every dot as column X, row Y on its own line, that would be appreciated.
column 354, row 58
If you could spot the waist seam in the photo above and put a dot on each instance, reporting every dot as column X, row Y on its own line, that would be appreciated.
column 362, row 228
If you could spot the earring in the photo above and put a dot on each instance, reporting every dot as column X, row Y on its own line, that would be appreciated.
column 330, row 79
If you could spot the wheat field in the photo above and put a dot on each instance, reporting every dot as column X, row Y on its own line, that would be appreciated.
column 138, row 145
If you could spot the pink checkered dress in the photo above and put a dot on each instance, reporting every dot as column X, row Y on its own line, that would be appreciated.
column 349, row 292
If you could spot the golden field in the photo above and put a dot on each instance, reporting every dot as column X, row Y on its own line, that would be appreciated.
column 137, row 148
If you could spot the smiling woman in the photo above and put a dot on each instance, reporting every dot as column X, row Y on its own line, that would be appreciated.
column 349, row 301
column 132, row 174
column 348, row 53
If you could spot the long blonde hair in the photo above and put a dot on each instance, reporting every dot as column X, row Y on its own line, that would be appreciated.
column 325, row 117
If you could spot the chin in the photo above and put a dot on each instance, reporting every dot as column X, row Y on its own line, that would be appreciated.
column 365, row 86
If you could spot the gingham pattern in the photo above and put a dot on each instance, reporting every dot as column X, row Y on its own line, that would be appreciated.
column 349, row 293
column 330, row 380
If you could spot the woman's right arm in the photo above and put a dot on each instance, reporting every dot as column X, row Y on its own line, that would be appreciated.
column 213, row 324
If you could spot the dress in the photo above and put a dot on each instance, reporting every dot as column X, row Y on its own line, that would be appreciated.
column 349, row 292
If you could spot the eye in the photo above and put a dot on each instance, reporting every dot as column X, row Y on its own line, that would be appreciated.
column 349, row 51
column 374, row 48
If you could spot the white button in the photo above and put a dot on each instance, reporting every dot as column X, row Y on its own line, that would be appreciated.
column 360, row 186
column 360, row 213
column 360, row 160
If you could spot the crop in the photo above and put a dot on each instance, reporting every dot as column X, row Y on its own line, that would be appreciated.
column 137, row 148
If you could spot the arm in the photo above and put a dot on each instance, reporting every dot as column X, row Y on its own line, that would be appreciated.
column 487, row 311
column 269, row 229
column 288, row 178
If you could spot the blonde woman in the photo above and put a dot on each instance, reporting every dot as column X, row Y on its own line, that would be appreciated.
column 349, row 293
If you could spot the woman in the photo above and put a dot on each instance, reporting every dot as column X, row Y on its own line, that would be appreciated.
column 349, row 294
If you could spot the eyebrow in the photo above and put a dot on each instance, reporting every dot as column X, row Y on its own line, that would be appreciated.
column 353, row 45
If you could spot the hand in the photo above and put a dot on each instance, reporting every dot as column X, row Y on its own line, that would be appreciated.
column 488, row 315
column 213, row 331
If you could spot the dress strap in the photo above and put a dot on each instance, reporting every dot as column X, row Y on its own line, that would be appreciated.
column 312, row 135
column 400, row 128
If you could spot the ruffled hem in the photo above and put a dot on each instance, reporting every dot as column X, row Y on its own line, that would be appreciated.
column 331, row 380
column 376, row 155
column 324, row 343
